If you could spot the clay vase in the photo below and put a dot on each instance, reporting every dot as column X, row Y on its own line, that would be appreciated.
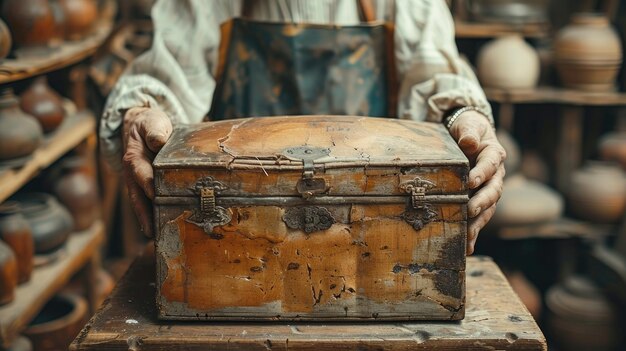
column 59, row 21
column 5, row 40
column 580, row 317
column 50, row 222
column 613, row 148
column 21, row 344
column 508, row 63
column 58, row 323
column 80, row 16
column 43, row 103
column 8, row 274
column 15, row 231
column 20, row 134
column 513, row 154
column 31, row 21
column 598, row 192
column 526, row 291
column 77, row 190
column 526, row 202
column 588, row 53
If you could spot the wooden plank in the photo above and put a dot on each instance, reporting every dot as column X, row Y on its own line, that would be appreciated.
column 495, row 319
column 35, row 63
column 473, row 30
column 555, row 95
column 46, row 281
column 75, row 128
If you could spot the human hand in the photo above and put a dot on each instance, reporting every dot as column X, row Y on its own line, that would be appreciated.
column 478, row 141
column 145, row 132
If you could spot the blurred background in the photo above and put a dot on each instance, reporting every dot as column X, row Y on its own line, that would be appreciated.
column 552, row 69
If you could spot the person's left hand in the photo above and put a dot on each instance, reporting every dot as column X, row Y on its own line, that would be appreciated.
column 477, row 139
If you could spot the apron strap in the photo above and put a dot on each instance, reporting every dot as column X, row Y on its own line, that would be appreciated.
column 366, row 11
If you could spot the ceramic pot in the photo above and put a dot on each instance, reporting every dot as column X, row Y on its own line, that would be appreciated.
column 31, row 21
column 508, row 63
column 80, row 16
column 21, row 344
column 77, row 190
column 613, row 148
column 5, row 40
column 598, row 192
column 58, row 323
column 525, row 202
column 513, row 156
column 526, row 291
column 15, row 231
column 516, row 11
column 50, row 222
column 8, row 274
column 588, row 53
column 43, row 103
column 580, row 317
column 59, row 21
column 20, row 134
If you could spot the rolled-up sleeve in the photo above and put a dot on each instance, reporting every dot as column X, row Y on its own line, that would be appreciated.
column 175, row 75
column 433, row 78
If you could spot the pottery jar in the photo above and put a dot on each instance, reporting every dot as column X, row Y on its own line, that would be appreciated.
column 598, row 192
column 8, row 274
column 588, row 53
column 43, row 103
column 5, row 40
column 526, row 202
column 77, row 190
column 58, row 323
column 21, row 343
column 613, row 148
column 15, row 231
column 80, row 16
column 31, row 21
column 50, row 222
column 20, row 134
column 516, row 11
column 580, row 317
column 508, row 63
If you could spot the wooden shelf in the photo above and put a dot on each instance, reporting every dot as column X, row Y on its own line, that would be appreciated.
column 475, row 30
column 29, row 64
column 75, row 128
column 562, row 228
column 46, row 281
column 553, row 95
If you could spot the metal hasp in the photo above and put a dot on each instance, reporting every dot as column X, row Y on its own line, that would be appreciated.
column 419, row 213
column 209, row 215
column 309, row 185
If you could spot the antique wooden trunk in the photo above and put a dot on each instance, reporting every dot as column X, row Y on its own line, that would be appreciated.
column 311, row 218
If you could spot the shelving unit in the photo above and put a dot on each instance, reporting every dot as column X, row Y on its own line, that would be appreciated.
column 77, row 132
column 474, row 30
column 47, row 280
column 555, row 95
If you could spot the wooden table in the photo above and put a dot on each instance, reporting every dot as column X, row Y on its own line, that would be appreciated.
column 495, row 319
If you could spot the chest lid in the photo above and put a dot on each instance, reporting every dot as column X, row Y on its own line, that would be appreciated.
column 311, row 155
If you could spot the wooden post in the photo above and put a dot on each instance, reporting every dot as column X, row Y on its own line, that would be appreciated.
column 569, row 148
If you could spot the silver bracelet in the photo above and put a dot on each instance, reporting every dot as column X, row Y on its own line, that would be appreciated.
column 449, row 121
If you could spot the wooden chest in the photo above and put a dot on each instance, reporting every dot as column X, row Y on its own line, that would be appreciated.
column 311, row 218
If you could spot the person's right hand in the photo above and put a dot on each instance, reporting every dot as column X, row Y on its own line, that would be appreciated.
column 145, row 132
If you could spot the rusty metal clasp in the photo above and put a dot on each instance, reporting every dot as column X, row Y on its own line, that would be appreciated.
column 209, row 215
column 309, row 185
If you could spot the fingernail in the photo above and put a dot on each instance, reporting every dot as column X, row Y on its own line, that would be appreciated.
column 477, row 211
column 477, row 181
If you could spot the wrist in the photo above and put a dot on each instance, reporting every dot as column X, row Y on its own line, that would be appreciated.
column 450, row 120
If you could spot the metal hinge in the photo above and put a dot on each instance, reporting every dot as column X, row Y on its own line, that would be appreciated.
column 309, row 185
column 209, row 215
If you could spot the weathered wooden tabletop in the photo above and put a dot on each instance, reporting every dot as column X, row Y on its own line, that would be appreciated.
column 495, row 320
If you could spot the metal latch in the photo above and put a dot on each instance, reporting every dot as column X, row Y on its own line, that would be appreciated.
column 308, row 185
column 209, row 215
column 417, row 188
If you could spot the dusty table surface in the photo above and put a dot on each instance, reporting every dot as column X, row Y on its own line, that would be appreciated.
column 495, row 319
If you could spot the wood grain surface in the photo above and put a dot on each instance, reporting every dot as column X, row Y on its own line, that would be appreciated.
column 495, row 320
